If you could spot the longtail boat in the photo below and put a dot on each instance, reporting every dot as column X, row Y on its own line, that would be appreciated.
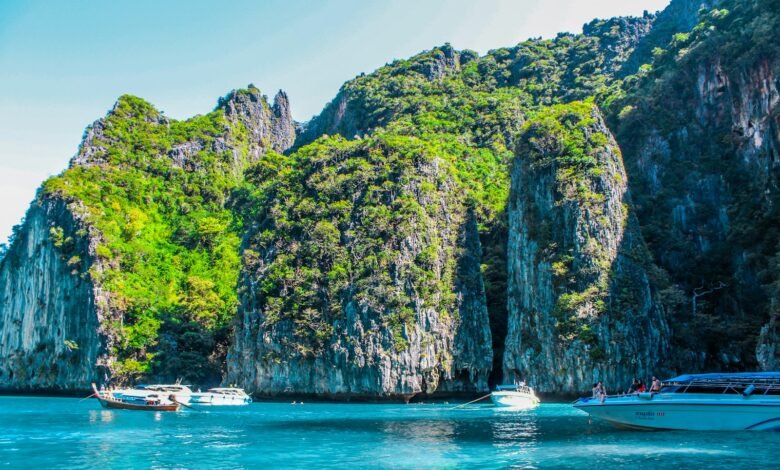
column 107, row 400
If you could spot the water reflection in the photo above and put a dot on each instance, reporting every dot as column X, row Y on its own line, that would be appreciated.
column 515, row 436
column 514, row 428
column 103, row 416
column 407, row 443
column 421, row 431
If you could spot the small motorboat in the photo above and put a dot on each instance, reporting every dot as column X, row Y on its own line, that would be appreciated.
column 152, row 402
column 518, row 395
column 696, row 402
column 227, row 396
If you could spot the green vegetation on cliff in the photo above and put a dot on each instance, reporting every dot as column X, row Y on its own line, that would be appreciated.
column 463, row 109
column 334, row 222
column 567, row 144
column 168, row 249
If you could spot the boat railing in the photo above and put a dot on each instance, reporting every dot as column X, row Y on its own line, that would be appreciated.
column 607, row 397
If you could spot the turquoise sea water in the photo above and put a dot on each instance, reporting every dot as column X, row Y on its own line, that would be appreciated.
column 65, row 432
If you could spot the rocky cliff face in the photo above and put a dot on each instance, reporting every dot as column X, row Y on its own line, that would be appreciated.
column 702, row 148
column 377, row 295
column 268, row 126
column 82, row 298
column 680, row 16
column 356, row 110
column 51, row 313
column 767, row 351
column 581, row 307
column 372, row 253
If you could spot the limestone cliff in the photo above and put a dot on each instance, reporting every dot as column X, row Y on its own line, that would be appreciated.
column 701, row 140
column 362, row 278
column 51, row 313
column 268, row 126
column 581, row 306
column 114, row 260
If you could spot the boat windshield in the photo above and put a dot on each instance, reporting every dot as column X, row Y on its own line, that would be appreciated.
column 514, row 388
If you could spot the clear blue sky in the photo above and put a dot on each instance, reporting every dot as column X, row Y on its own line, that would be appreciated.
column 64, row 63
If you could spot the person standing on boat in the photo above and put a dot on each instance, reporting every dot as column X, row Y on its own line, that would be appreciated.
column 656, row 386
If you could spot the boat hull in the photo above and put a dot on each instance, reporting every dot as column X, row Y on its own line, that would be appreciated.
column 514, row 400
column 695, row 415
column 107, row 400
column 216, row 399
column 142, row 395
column 119, row 405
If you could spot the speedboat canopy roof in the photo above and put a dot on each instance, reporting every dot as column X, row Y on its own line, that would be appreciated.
column 725, row 377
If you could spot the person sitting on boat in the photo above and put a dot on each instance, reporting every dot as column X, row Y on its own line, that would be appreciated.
column 599, row 391
column 656, row 386
column 634, row 386
column 602, row 391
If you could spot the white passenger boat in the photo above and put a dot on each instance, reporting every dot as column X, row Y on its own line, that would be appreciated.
column 701, row 402
column 181, row 393
column 514, row 396
column 222, row 397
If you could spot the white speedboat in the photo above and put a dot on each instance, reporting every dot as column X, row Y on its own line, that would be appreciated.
column 701, row 402
column 514, row 396
column 222, row 397
column 140, row 393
